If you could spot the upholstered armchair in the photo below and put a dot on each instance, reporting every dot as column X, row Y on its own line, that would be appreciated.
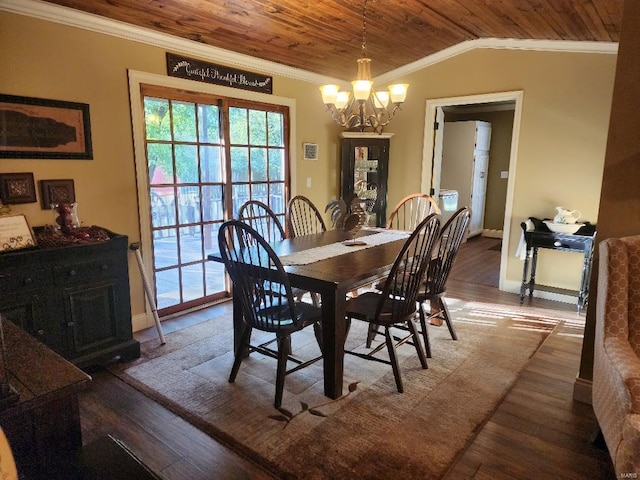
column 616, row 374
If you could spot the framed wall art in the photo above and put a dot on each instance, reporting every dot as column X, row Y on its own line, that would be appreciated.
column 15, row 233
column 40, row 128
column 53, row 192
column 17, row 188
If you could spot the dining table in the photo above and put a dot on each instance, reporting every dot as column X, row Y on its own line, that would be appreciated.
column 335, row 265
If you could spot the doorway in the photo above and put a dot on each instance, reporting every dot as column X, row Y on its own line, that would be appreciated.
column 436, row 112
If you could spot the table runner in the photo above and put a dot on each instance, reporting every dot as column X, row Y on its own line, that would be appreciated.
column 315, row 254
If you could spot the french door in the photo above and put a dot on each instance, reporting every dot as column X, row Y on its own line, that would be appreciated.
column 206, row 155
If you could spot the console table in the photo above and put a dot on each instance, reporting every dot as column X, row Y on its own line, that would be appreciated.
column 538, row 238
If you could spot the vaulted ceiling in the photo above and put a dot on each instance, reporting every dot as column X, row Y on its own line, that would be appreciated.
column 325, row 36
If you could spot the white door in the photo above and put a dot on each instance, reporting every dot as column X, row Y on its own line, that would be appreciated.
column 478, row 191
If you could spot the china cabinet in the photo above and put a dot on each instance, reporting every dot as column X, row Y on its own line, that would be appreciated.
column 365, row 168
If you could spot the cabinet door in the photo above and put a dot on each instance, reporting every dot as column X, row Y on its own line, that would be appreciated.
column 30, row 311
column 364, row 172
column 92, row 318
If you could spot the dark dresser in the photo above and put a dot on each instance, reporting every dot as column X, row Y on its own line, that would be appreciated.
column 73, row 298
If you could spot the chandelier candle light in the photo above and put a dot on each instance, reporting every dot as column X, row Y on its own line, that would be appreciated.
column 366, row 108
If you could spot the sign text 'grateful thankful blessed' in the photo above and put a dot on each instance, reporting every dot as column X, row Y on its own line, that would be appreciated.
column 190, row 69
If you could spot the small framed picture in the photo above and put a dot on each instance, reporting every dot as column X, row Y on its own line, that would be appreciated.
column 53, row 192
column 15, row 233
column 310, row 151
column 17, row 188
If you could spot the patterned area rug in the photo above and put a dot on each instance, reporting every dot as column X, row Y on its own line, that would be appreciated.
column 372, row 432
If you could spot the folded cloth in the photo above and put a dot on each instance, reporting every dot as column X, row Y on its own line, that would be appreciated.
column 521, row 251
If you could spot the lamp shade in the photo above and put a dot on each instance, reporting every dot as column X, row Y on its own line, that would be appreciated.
column 362, row 89
column 329, row 93
column 398, row 92
column 342, row 100
column 381, row 99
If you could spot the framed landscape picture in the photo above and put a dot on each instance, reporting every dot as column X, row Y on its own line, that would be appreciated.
column 40, row 128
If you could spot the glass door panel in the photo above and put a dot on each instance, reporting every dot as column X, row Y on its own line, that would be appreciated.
column 192, row 168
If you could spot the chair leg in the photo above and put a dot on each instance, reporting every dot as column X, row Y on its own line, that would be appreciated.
column 282, row 369
column 317, row 331
column 371, row 333
column 315, row 299
column 416, row 341
column 447, row 318
column 425, row 332
column 240, row 353
column 393, row 357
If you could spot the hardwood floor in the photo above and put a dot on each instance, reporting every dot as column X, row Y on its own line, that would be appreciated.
column 537, row 432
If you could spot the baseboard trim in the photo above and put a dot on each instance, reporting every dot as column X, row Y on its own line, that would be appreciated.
column 491, row 233
column 582, row 390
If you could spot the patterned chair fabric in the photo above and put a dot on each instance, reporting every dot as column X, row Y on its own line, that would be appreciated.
column 616, row 371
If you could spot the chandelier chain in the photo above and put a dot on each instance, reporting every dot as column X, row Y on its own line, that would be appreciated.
column 364, row 29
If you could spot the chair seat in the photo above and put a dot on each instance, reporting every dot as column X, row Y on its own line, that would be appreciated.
column 306, row 314
column 363, row 307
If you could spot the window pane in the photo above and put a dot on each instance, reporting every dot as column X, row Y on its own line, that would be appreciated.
column 211, row 240
column 160, row 162
column 167, row 288
column 209, row 123
column 192, row 281
column 276, row 138
column 258, row 164
column 210, row 164
column 239, row 164
column 212, row 203
column 189, row 203
column 257, row 127
column 165, row 248
column 184, row 122
column 238, row 126
column 276, row 164
column 240, row 194
column 260, row 191
column 214, row 276
column 277, row 201
column 187, row 163
column 162, row 206
column 190, row 244
column 156, row 120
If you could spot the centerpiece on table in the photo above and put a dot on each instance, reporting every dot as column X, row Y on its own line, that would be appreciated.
column 348, row 215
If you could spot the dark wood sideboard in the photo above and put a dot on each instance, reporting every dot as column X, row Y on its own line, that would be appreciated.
column 74, row 298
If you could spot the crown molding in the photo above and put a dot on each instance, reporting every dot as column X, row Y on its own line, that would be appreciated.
column 500, row 44
column 95, row 23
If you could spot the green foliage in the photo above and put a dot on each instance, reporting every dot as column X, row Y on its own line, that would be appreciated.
column 256, row 138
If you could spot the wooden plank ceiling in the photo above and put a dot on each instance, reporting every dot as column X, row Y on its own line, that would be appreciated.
column 325, row 36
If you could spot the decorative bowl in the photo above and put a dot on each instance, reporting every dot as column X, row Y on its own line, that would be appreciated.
column 563, row 227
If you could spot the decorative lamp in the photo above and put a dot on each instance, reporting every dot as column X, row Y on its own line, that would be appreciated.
column 366, row 108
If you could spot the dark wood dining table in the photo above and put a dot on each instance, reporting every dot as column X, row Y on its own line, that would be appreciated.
column 333, row 278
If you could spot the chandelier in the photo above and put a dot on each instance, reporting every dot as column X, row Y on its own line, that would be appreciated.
column 365, row 108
